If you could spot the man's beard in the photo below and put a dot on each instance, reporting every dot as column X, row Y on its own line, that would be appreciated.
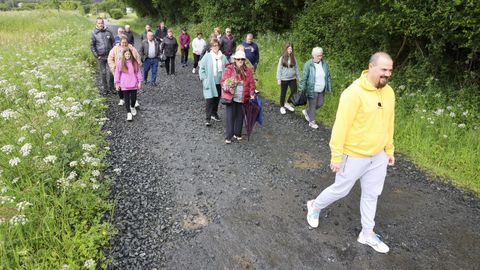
column 381, row 83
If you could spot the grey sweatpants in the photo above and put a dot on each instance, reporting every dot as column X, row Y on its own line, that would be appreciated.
column 314, row 103
column 371, row 171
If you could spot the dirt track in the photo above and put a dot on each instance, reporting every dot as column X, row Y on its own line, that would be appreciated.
column 187, row 201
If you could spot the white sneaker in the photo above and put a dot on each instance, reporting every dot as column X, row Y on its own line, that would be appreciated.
column 193, row 71
column 289, row 107
column 121, row 102
column 306, row 115
column 313, row 125
column 133, row 110
column 137, row 104
column 373, row 241
column 282, row 110
column 312, row 215
column 129, row 117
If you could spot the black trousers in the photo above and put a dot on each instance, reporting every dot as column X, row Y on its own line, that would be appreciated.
column 283, row 90
column 121, row 94
column 170, row 64
column 233, row 120
column 196, row 59
column 184, row 55
column 130, row 99
column 211, row 108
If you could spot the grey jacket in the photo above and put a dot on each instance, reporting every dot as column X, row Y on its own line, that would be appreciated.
column 101, row 42
column 286, row 73
column 169, row 46
column 144, row 49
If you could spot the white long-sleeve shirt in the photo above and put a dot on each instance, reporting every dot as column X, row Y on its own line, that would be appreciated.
column 198, row 45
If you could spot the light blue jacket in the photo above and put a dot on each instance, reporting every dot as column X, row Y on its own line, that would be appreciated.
column 205, row 72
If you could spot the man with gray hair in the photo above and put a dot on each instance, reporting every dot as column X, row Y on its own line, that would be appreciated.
column 315, row 81
column 129, row 34
column 362, row 146
column 120, row 33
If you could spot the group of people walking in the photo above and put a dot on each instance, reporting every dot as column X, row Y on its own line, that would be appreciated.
column 362, row 137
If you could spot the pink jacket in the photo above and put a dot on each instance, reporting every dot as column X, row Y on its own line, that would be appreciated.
column 129, row 80
column 184, row 40
column 248, row 83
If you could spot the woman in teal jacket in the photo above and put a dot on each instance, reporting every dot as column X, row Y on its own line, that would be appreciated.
column 210, row 71
column 315, row 81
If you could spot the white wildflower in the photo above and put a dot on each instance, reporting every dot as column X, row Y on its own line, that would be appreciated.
column 32, row 92
column 439, row 111
column 50, row 159
column 73, row 163
column 6, row 199
column 401, row 87
column 40, row 95
column 86, row 102
column 25, row 127
column 63, row 183
column 8, row 113
column 49, row 143
column 14, row 161
column 445, row 136
column 462, row 125
column 90, row 263
column 88, row 147
column 18, row 219
column 70, row 99
column 424, row 110
column 23, row 205
column 465, row 113
column 452, row 114
column 72, row 175
column 2, row 220
column 52, row 114
column 117, row 171
column 47, row 136
column 15, row 180
column 65, row 132
column 33, row 131
column 65, row 267
column 96, row 173
column 25, row 150
column 40, row 101
column 7, row 149
column 23, row 252
column 449, row 108
column 95, row 186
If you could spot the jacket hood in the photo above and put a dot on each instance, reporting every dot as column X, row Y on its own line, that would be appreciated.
column 365, row 84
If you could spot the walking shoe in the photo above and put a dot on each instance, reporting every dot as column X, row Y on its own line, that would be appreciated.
column 121, row 102
column 215, row 118
column 137, row 104
column 239, row 138
column 313, row 125
column 282, row 110
column 193, row 71
column 312, row 215
column 208, row 123
column 306, row 115
column 289, row 107
column 227, row 141
column 133, row 110
column 373, row 241
column 129, row 117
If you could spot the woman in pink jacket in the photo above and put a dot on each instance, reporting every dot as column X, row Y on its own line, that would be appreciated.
column 128, row 78
column 238, row 87
column 185, row 44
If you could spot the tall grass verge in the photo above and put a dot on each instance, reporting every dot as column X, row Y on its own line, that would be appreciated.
column 52, row 190
column 438, row 132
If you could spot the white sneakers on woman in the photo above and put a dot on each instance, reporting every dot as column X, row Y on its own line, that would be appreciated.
column 129, row 117
column 289, row 107
column 282, row 110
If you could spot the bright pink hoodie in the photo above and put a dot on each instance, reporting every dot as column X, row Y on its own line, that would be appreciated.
column 128, row 80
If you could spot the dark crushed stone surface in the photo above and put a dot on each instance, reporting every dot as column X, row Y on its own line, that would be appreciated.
column 184, row 200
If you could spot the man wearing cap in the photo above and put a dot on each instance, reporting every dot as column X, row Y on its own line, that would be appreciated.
column 362, row 146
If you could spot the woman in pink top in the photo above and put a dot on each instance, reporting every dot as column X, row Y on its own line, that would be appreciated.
column 185, row 44
column 128, row 78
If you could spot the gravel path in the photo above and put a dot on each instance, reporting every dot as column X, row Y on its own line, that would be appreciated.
column 184, row 200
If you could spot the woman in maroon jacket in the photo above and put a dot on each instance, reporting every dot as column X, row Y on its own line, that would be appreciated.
column 238, row 87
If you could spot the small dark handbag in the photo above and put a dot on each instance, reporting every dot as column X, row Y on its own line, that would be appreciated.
column 298, row 99
column 225, row 101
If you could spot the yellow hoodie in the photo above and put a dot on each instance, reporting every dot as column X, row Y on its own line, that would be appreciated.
column 364, row 122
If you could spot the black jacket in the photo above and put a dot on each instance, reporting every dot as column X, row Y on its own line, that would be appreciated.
column 130, row 38
column 169, row 46
column 144, row 49
column 224, row 42
column 101, row 42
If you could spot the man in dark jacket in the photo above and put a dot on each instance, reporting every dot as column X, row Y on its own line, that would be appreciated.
column 161, row 32
column 169, row 48
column 148, row 28
column 129, row 34
column 228, row 43
column 101, row 42
column 251, row 51
column 150, row 52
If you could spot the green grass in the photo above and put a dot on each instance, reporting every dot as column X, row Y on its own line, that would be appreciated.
column 439, row 133
column 52, row 190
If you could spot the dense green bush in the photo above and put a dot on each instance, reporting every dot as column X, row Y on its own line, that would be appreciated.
column 116, row 13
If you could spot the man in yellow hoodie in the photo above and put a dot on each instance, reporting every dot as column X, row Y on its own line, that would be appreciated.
column 362, row 146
